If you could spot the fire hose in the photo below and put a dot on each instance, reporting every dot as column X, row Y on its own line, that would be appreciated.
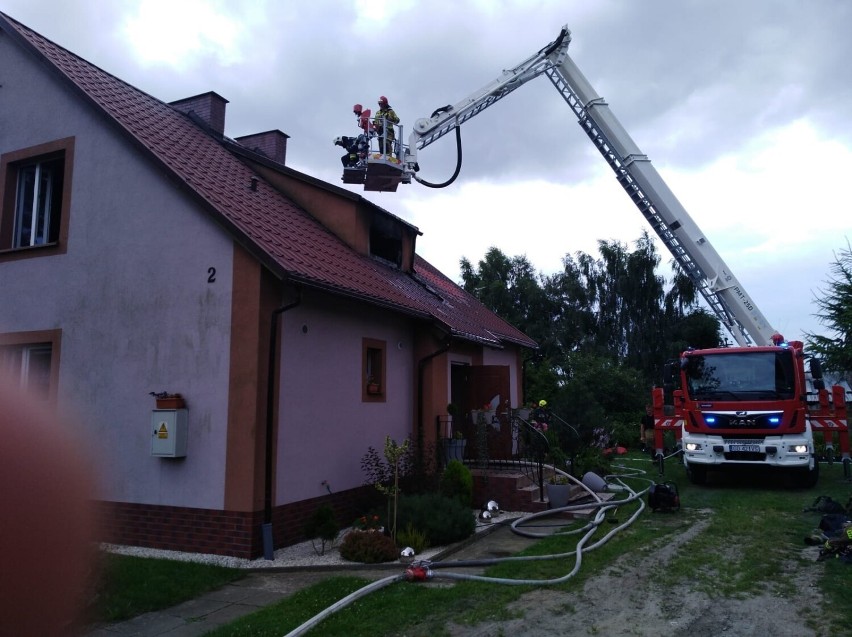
column 425, row 570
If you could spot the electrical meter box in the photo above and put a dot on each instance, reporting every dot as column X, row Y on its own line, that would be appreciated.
column 168, row 439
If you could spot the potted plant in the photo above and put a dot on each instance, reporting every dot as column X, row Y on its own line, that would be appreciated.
column 558, row 489
column 454, row 447
column 453, row 411
column 373, row 386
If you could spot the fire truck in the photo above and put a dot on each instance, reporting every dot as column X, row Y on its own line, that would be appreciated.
column 751, row 404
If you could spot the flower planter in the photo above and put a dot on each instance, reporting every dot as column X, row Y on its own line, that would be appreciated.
column 558, row 495
column 454, row 450
column 374, row 389
column 171, row 402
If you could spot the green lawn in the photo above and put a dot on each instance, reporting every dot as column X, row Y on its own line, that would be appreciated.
column 129, row 586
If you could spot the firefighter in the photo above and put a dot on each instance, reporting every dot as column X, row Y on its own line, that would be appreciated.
column 539, row 416
column 363, row 118
column 383, row 122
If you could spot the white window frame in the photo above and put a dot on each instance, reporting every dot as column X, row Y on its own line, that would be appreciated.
column 22, row 362
column 20, row 355
column 35, row 200
column 34, row 204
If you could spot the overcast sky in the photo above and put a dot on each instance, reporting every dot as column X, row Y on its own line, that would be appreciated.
column 744, row 107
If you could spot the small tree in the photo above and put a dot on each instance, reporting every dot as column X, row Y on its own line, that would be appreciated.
column 835, row 306
column 322, row 525
column 387, row 475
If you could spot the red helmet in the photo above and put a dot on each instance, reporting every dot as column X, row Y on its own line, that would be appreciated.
column 383, row 100
column 357, row 109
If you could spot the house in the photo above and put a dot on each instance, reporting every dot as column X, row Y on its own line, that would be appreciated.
column 142, row 251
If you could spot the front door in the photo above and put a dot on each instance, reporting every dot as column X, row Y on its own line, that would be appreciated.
column 489, row 385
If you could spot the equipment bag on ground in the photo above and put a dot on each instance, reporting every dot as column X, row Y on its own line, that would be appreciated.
column 663, row 496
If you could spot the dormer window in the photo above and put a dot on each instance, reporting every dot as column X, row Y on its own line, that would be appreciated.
column 386, row 240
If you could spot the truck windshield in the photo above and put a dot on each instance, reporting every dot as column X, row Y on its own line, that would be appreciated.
column 741, row 376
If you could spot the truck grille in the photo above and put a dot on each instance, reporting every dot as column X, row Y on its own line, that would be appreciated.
column 743, row 420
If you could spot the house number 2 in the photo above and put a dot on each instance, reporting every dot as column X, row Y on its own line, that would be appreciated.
column 211, row 275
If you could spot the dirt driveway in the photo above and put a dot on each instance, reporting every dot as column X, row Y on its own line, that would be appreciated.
column 626, row 599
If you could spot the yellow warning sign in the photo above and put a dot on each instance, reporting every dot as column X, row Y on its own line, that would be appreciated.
column 163, row 431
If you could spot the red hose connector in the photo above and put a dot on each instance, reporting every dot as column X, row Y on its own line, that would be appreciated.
column 418, row 573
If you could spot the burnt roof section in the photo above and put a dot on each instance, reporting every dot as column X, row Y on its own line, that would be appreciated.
column 284, row 237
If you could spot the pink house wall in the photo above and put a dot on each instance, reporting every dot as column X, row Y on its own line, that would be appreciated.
column 130, row 296
column 324, row 426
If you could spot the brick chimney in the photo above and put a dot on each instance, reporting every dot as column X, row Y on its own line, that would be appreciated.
column 272, row 143
column 208, row 107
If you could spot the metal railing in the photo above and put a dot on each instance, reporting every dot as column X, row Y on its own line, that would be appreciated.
column 527, row 449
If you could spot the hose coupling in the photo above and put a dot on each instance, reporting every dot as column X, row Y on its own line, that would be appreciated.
column 418, row 573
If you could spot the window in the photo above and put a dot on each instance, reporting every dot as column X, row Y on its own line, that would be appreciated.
column 373, row 370
column 386, row 240
column 35, row 198
column 741, row 376
column 31, row 359
column 38, row 204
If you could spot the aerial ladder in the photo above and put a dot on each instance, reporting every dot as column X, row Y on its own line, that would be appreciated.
column 696, row 421
column 722, row 291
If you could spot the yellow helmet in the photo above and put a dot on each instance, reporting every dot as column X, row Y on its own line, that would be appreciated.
column 542, row 403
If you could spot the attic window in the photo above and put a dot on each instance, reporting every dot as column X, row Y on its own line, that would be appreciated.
column 386, row 240
column 34, row 198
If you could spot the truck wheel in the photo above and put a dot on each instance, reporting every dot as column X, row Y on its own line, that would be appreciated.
column 696, row 473
column 808, row 478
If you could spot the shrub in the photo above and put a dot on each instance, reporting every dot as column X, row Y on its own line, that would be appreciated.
column 591, row 459
column 369, row 547
column 322, row 525
column 443, row 520
column 457, row 482
column 416, row 539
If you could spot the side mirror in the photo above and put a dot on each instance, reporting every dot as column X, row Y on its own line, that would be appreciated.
column 816, row 369
column 816, row 374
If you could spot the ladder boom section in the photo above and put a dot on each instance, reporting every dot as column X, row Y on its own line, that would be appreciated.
column 446, row 119
column 690, row 248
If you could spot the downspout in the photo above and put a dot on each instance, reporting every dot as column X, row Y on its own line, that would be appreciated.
column 421, row 367
column 266, row 528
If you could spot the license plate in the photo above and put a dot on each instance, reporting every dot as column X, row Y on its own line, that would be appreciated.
column 749, row 448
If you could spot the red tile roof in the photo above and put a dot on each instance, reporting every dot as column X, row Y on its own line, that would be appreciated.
column 287, row 239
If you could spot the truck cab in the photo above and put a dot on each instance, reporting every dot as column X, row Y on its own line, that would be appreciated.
column 746, row 406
